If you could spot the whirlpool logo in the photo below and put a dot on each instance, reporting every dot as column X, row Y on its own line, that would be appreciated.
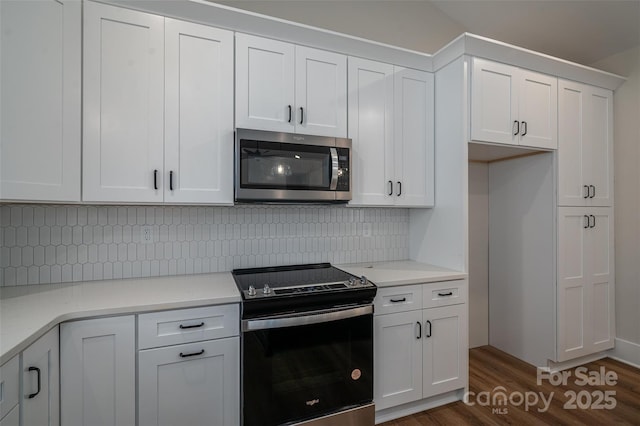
column 312, row 402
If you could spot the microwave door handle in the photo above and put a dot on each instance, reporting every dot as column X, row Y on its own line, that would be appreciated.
column 334, row 169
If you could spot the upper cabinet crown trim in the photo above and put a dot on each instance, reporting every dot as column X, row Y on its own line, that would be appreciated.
column 483, row 47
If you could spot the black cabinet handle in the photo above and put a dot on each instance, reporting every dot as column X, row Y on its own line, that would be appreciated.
column 404, row 299
column 191, row 354
column 445, row 294
column 290, row 110
column 301, row 115
column 399, row 188
column 183, row 327
column 171, row 180
column 419, row 330
column 155, row 179
column 586, row 225
column 390, row 188
column 592, row 194
column 594, row 221
column 517, row 126
column 37, row 370
column 524, row 125
column 428, row 334
column 587, row 192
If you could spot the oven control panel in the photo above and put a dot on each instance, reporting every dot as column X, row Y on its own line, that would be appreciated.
column 254, row 292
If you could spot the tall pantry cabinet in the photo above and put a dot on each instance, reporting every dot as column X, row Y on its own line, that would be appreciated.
column 585, row 299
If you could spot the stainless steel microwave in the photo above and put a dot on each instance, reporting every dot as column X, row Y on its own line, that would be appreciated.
column 275, row 167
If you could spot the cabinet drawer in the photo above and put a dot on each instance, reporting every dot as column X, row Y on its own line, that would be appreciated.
column 444, row 293
column 187, row 325
column 9, row 386
column 398, row 299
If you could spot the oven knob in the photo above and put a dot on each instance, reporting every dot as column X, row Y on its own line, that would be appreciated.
column 352, row 282
column 251, row 291
column 363, row 280
column 266, row 289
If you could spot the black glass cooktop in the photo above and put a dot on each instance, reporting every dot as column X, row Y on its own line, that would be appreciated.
column 291, row 276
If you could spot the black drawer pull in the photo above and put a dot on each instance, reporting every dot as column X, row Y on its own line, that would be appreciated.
column 183, row 327
column 445, row 294
column 191, row 354
column 37, row 370
column 404, row 299
column 155, row 179
column 429, row 324
column 419, row 336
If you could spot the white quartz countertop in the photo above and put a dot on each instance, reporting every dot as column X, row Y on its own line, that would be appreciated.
column 28, row 312
column 403, row 272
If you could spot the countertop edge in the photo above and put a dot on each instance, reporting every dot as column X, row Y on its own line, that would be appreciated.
column 6, row 356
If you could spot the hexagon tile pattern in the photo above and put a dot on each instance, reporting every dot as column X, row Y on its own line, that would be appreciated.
column 52, row 244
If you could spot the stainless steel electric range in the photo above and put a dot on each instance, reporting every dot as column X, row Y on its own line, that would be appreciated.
column 307, row 346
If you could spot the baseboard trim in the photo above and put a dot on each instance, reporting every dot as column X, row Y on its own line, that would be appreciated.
column 418, row 406
column 626, row 352
column 564, row 365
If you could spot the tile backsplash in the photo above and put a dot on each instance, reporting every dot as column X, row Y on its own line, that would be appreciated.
column 52, row 244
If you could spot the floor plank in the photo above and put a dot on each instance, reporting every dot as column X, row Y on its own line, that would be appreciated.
column 490, row 368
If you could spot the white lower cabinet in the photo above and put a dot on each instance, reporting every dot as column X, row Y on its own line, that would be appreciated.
column 98, row 372
column 40, row 399
column 196, row 382
column 10, row 392
column 193, row 384
column 419, row 351
column 586, row 315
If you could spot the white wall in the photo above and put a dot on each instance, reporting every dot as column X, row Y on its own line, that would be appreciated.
column 627, row 193
column 415, row 25
column 478, row 254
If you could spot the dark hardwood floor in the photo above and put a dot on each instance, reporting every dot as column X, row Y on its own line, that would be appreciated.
column 490, row 368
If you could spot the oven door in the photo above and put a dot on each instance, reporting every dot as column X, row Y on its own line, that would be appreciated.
column 300, row 367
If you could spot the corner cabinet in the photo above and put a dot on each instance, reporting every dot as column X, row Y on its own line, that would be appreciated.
column 41, row 161
column 98, row 372
column 513, row 106
column 585, row 152
column 158, row 109
column 391, row 113
column 586, row 320
column 420, row 343
column 40, row 399
column 289, row 88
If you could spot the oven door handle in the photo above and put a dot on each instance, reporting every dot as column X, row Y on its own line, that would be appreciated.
column 305, row 319
column 334, row 169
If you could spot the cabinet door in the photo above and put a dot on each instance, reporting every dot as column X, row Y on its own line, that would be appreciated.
column 585, row 281
column 538, row 110
column 40, row 405
column 264, row 84
column 12, row 418
column 40, row 102
column 98, row 372
column 198, row 114
column 371, row 130
column 193, row 384
column 123, row 101
column 600, row 280
column 321, row 92
column 413, row 142
column 446, row 351
column 571, row 142
column 494, row 102
column 397, row 360
column 9, row 386
column 597, row 160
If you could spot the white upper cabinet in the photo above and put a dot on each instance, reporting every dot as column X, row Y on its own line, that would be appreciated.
column 158, row 109
column 585, row 151
column 123, row 105
column 391, row 124
column 371, row 130
column 321, row 92
column 513, row 106
column 198, row 114
column 40, row 102
column 413, row 137
column 288, row 88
